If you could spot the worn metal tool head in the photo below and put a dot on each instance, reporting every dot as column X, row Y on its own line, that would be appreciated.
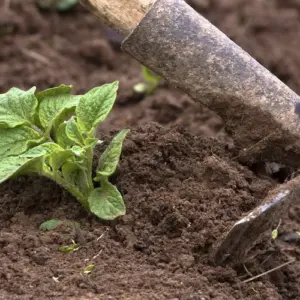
column 234, row 246
column 257, row 108
column 260, row 112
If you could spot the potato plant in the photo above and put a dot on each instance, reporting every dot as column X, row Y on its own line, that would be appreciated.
column 53, row 134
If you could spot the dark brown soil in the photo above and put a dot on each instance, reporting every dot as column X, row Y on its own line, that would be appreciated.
column 182, row 186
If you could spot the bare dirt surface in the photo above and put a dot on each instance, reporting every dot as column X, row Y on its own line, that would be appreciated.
column 181, row 182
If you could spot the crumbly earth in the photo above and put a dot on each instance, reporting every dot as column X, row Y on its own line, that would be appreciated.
column 182, row 186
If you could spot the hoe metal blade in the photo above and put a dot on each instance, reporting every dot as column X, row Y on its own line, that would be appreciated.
column 245, row 232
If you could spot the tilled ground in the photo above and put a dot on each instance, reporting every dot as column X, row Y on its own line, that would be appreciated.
column 182, row 188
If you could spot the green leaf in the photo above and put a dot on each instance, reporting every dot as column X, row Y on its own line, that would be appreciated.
column 73, row 132
column 95, row 105
column 14, row 141
column 28, row 162
column 88, row 269
column 106, row 202
column 109, row 159
column 17, row 107
column 75, row 175
column 53, row 223
column 56, row 104
column 77, row 150
column 34, row 166
column 58, row 158
column 45, row 149
column 49, row 225
column 274, row 234
column 55, row 155
column 32, row 160
column 91, row 143
column 12, row 165
column 53, row 92
column 70, row 171
column 62, row 138
column 60, row 5
column 65, row 5
column 68, row 249
column 150, row 76
column 150, row 84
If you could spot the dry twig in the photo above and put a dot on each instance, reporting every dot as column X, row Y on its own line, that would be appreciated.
column 269, row 271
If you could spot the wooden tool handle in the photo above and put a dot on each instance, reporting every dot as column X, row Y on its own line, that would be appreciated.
column 121, row 15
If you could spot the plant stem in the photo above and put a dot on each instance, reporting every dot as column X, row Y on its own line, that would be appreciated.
column 36, row 128
column 89, row 155
column 70, row 188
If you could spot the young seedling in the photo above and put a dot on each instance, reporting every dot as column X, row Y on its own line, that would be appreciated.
column 52, row 134
column 275, row 231
column 70, row 248
column 88, row 269
column 150, row 84
column 60, row 5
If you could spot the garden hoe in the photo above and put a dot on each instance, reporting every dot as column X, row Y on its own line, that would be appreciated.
column 259, row 111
